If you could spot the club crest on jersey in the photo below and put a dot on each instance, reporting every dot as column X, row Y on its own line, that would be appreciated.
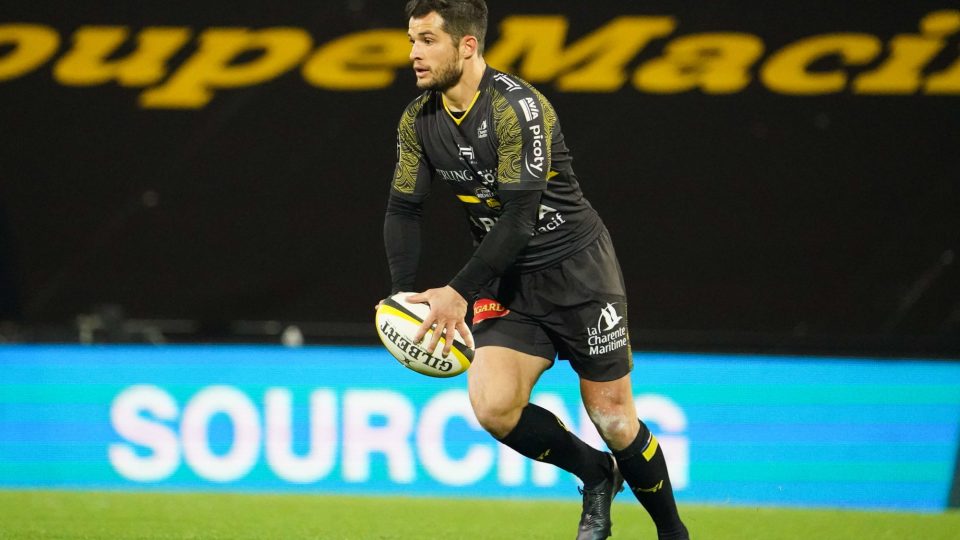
column 609, row 334
column 482, row 130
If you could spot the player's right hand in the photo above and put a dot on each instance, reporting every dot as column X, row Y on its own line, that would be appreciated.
column 447, row 312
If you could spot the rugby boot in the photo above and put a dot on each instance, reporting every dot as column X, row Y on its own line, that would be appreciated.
column 595, row 521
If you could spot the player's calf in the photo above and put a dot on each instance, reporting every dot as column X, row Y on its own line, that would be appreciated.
column 645, row 469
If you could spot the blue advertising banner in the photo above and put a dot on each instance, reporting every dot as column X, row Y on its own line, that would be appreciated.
column 736, row 429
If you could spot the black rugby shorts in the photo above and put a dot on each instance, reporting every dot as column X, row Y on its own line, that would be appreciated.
column 575, row 310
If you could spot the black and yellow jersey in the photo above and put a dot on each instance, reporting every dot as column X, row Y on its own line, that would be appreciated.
column 508, row 139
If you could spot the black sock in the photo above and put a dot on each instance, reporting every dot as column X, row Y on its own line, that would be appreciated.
column 541, row 436
column 644, row 468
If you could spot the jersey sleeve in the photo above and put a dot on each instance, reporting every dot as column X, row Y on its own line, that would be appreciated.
column 501, row 246
column 411, row 177
column 401, row 239
column 523, row 137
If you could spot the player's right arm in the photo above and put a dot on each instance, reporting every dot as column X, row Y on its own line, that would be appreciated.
column 410, row 186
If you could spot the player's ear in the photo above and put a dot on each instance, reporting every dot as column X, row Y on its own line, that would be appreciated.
column 468, row 46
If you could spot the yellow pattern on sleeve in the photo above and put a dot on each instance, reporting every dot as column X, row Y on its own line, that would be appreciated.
column 509, row 137
column 409, row 150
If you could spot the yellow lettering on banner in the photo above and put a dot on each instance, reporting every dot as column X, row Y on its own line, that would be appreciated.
column 788, row 70
column 717, row 63
column 362, row 61
column 944, row 82
column 603, row 54
column 902, row 71
column 215, row 65
column 948, row 80
column 33, row 45
column 86, row 63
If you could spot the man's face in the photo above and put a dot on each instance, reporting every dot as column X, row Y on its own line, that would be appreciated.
column 436, row 59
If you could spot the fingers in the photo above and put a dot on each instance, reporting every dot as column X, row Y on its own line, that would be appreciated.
column 448, row 343
column 448, row 330
column 422, row 331
column 439, row 332
column 466, row 334
column 445, row 318
column 434, row 340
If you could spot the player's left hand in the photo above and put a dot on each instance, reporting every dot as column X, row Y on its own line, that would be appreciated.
column 447, row 311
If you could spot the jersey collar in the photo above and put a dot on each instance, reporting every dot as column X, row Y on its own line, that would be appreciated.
column 443, row 100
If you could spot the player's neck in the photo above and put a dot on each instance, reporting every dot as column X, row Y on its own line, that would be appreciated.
column 459, row 96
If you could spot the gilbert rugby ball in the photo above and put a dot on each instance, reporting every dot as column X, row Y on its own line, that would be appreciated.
column 397, row 322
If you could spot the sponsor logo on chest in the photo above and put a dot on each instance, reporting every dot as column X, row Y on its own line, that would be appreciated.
column 486, row 177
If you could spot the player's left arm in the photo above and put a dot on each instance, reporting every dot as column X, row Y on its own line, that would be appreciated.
column 497, row 251
column 523, row 154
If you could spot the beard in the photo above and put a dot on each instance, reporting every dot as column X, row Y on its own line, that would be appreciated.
column 444, row 76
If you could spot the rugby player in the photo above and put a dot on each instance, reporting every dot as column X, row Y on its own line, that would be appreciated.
column 544, row 279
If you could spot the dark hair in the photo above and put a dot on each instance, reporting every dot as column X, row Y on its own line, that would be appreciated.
column 460, row 17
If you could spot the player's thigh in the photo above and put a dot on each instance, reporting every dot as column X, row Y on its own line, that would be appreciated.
column 500, row 380
column 612, row 410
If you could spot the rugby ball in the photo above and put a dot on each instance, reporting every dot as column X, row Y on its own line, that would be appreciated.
column 397, row 322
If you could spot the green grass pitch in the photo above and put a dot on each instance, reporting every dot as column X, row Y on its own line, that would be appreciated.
column 89, row 515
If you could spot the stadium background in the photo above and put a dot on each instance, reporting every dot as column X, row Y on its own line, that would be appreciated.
column 750, row 218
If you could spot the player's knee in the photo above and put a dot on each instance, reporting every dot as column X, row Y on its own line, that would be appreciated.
column 497, row 418
column 617, row 428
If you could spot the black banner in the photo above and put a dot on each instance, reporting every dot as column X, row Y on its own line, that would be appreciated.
column 775, row 177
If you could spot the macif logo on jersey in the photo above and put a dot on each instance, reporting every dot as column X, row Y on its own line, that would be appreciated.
column 609, row 334
column 530, row 110
column 552, row 224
